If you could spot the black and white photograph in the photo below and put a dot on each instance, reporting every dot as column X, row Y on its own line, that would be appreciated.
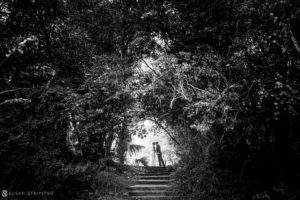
column 149, row 99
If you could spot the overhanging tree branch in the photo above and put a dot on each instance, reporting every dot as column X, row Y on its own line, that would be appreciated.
column 164, row 128
column 294, row 40
column 158, row 75
column 13, row 90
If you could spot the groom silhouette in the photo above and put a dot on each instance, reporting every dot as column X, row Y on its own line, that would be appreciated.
column 159, row 156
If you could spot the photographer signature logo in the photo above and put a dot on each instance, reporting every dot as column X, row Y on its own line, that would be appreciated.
column 4, row 193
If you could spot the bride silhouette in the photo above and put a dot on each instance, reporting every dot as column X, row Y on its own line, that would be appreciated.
column 153, row 156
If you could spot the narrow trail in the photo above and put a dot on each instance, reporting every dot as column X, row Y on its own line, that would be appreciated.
column 153, row 184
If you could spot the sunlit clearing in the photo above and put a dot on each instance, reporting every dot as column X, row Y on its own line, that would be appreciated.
column 168, row 150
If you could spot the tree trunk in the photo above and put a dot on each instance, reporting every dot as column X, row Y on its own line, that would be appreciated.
column 281, row 147
column 108, row 142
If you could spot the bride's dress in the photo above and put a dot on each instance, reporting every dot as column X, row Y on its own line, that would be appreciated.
column 153, row 157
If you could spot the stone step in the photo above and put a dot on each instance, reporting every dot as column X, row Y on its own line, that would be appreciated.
column 159, row 177
column 158, row 168
column 159, row 171
column 140, row 187
column 155, row 197
column 162, row 170
column 150, row 193
column 151, row 182
column 154, row 173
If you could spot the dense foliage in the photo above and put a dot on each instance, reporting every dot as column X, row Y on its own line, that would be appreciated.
column 63, row 100
column 221, row 78
column 228, row 88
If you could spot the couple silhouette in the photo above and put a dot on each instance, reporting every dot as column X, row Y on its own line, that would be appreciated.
column 157, row 152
